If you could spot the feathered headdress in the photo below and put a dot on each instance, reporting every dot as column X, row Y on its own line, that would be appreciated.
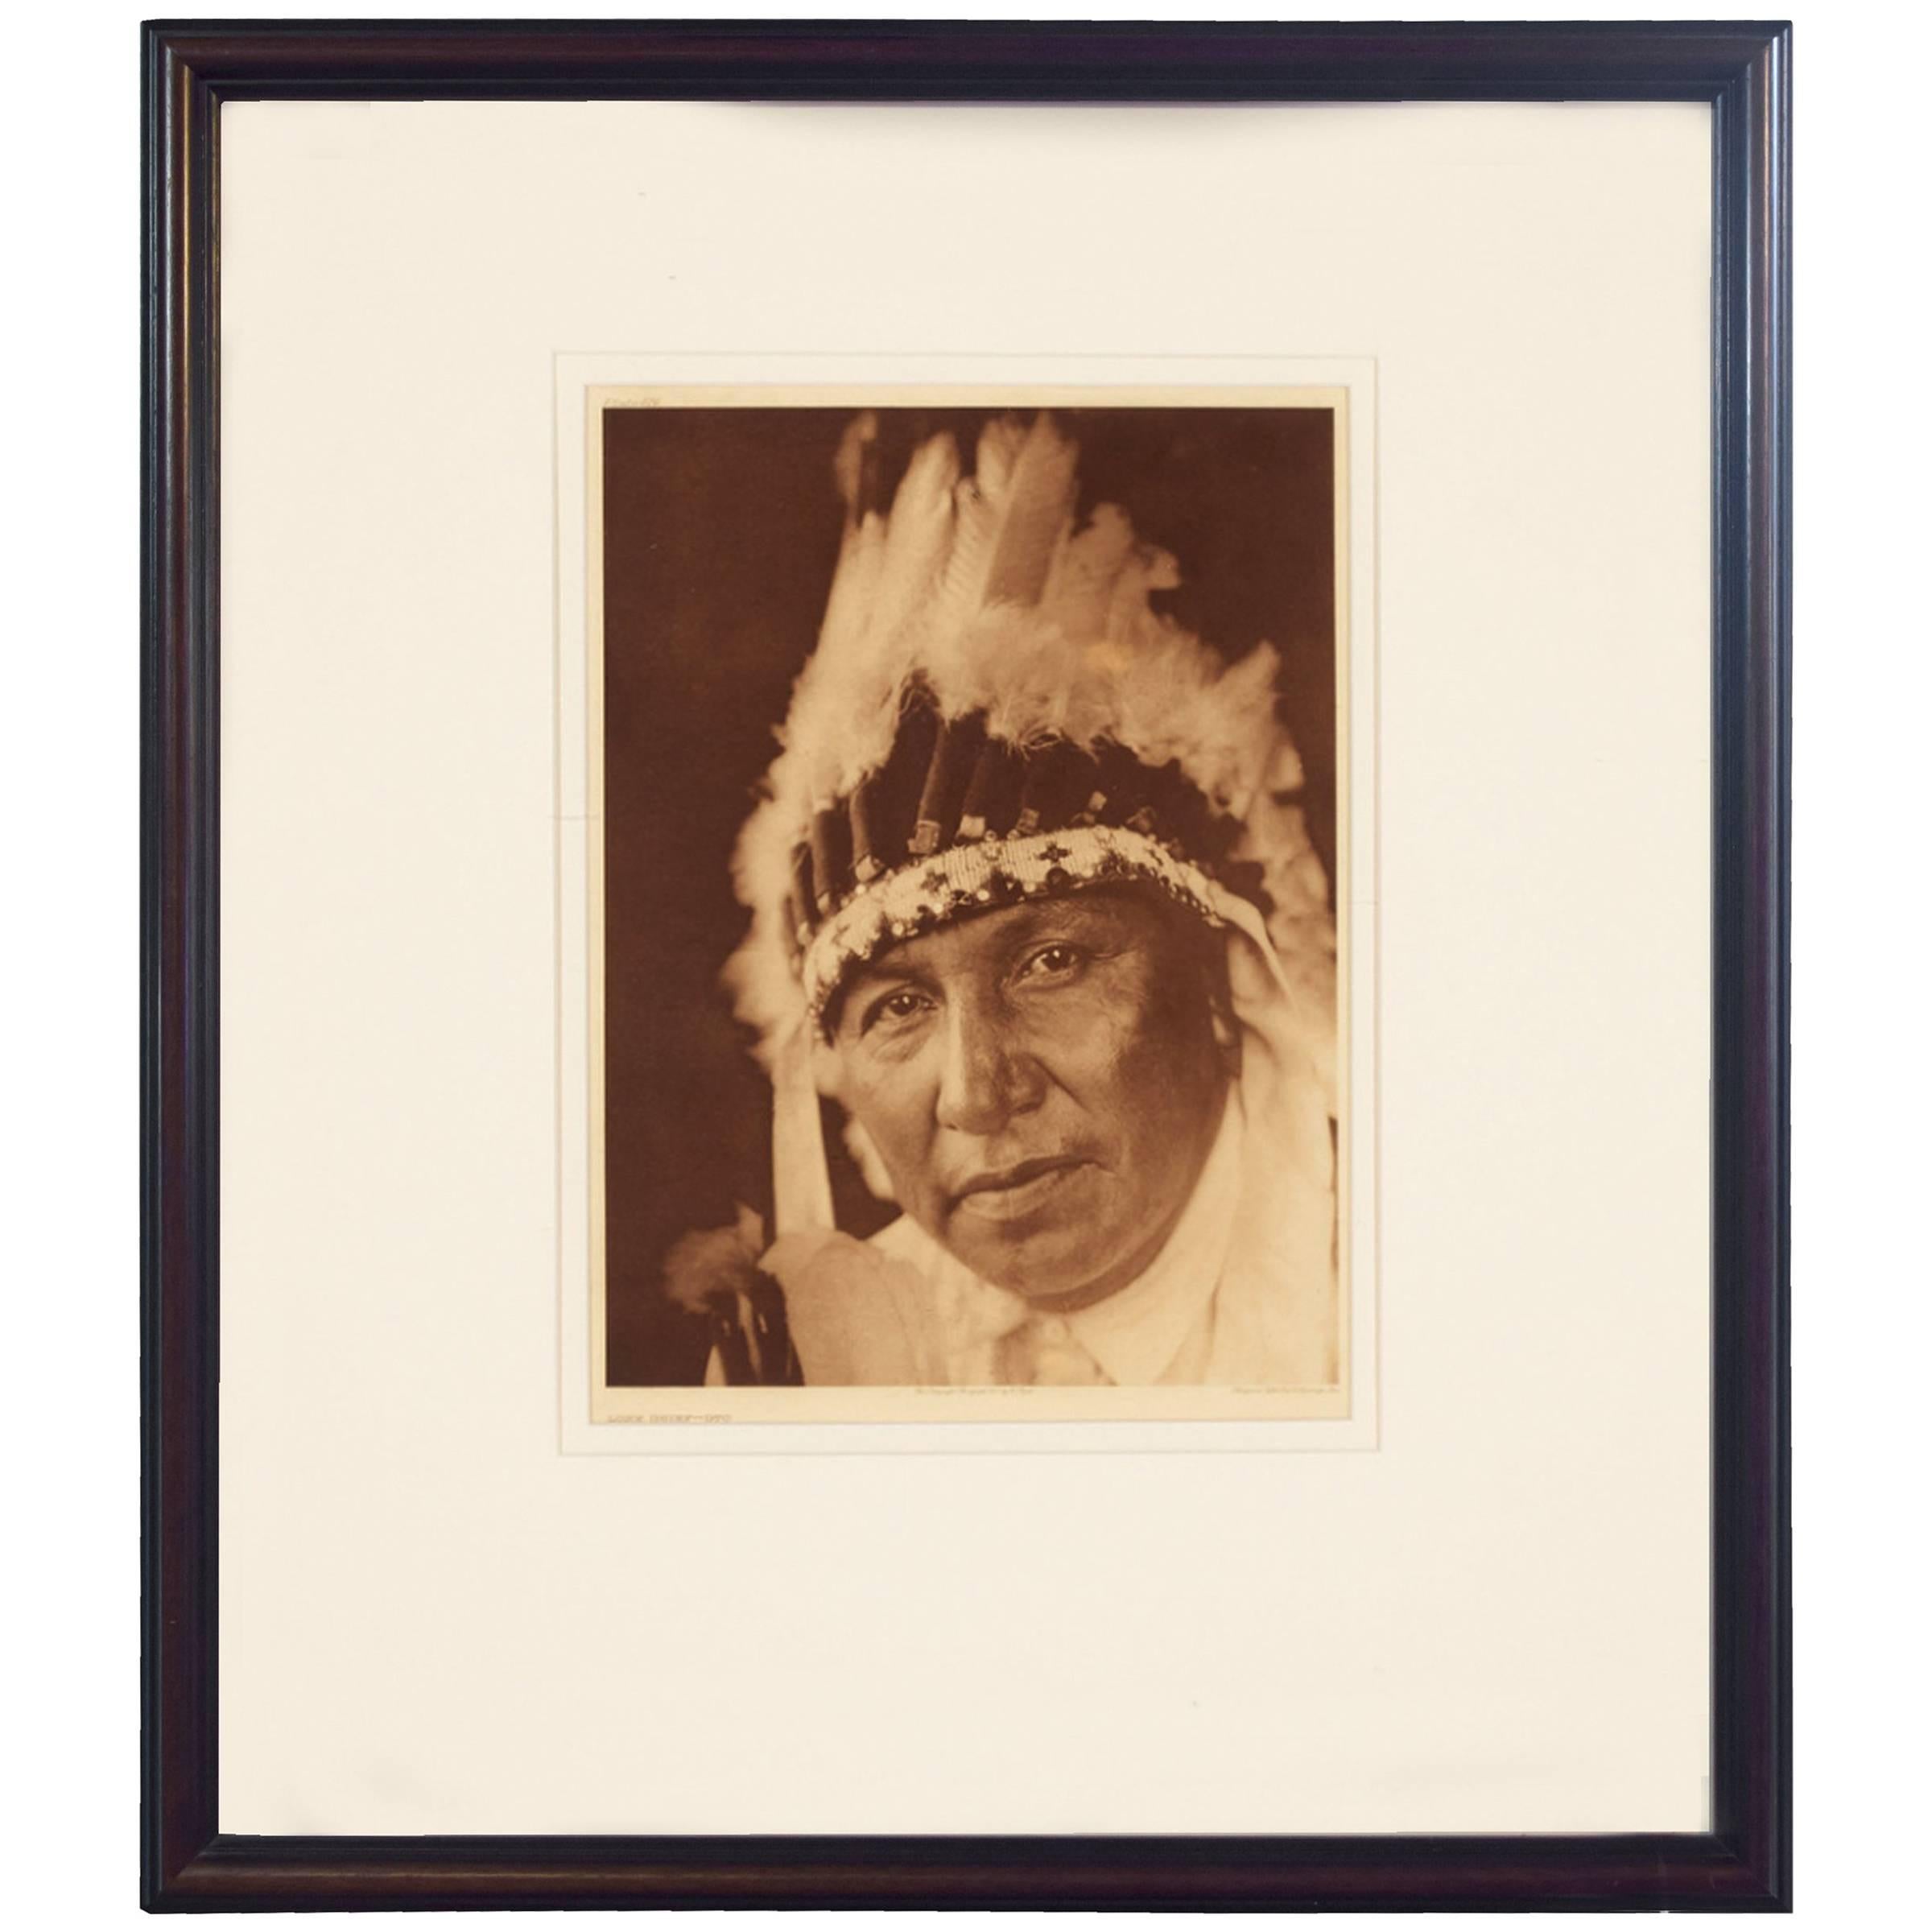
column 995, row 712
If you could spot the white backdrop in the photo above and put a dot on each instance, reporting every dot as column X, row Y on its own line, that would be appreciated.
column 69, row 787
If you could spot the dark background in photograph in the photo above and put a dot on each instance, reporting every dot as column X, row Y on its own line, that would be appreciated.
column 721, row 528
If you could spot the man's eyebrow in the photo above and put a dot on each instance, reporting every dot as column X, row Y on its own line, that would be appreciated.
column 1072, row 916
column 875, row 973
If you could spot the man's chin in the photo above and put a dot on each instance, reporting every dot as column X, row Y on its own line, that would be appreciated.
column 1058, row 1273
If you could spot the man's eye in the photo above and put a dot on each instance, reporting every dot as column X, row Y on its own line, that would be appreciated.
column 900, row 1006
column 1054, row 962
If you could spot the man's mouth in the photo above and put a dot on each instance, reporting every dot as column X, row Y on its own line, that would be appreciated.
column 1006, row 1193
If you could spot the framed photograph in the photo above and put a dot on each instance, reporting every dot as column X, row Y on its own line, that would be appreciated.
column 1022, row 724
column 964, row 949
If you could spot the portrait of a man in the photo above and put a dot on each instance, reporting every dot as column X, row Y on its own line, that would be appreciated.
column 1031, row 940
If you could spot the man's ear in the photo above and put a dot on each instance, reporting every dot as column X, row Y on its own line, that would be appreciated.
column 1227, row 1040
column 1220, row 1007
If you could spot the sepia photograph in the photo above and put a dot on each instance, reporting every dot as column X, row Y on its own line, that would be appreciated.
column 967, row 863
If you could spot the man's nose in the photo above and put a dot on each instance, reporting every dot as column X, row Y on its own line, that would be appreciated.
column 988, row 1077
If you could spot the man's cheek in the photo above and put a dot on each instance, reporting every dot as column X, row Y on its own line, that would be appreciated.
column 893, row 1123
column 1096, row 1034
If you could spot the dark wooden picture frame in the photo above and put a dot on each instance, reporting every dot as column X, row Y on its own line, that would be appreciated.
column 1743, row 72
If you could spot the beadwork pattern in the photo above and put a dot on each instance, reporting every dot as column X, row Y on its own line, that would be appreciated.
column 981, row 877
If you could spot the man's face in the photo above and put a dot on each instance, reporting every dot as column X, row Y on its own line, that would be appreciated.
column 1043, row 1084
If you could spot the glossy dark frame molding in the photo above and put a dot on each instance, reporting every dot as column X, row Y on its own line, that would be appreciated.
column 1742, row 71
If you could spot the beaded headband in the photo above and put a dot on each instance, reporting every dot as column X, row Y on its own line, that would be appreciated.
column 957, row 822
